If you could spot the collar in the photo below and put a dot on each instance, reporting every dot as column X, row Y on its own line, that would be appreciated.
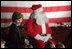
column 16, row 24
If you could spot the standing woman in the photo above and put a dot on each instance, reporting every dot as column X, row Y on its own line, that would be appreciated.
column 15, row 39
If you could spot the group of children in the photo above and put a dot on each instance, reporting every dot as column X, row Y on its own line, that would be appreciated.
column 28, row 45
column 15, row 39
column 51, row 45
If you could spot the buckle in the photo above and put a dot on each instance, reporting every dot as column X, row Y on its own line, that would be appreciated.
column 43, row 35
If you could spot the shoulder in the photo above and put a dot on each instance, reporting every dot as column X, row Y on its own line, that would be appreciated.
column 32, row 20
column 13, row 26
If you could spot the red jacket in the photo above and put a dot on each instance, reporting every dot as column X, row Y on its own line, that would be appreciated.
column 34, row 29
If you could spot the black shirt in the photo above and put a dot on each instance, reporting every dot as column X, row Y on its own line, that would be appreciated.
column 15, row 39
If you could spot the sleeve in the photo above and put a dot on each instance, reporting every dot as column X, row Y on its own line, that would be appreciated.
column 31, row 31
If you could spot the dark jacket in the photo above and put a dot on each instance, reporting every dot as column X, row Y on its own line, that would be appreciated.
column 15, row 39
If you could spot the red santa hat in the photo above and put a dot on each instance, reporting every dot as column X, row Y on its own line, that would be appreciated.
column 35, row 7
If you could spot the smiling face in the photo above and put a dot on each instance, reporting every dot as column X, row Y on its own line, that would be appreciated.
column 19, row 21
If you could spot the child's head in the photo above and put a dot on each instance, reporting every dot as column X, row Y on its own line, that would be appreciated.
column 17, row 17
column 50, row 44
column 60, row 45
column 26, row 41
column 27, row 44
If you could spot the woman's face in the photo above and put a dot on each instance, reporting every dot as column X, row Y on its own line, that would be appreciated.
column 19, row 21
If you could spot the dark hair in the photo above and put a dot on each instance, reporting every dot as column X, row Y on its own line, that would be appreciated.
column 49, row 44
column 59, row 45
column 16, row 15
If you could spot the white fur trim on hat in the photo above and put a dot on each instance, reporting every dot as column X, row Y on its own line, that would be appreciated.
column 38, row 10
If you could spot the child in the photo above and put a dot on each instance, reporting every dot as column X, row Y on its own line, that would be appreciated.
column 50, row 45
column 2, row 43
column 27, row 44
column 60, row 45
column 15, row 39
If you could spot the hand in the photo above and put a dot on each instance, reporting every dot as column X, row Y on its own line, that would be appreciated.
column 39, row 37
column 42, row 38
column 45, row 38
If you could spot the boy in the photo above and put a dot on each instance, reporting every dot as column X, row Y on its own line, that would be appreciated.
column 15, row 39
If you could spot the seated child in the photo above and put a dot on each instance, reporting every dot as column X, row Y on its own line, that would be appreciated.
column 2, row 43
column 60, row 45
column 27, row 44
column 50, row 44
column 15, row 39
